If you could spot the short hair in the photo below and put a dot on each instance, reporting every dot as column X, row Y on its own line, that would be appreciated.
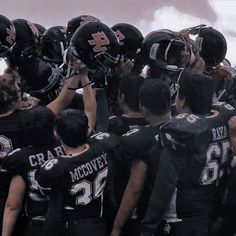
column 40, row 123
column 129, row 86
column 197, row 90
column 72, row 127
column 155, row 95
column 9, row 92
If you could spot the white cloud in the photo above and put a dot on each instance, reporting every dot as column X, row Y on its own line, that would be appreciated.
column 170, row 18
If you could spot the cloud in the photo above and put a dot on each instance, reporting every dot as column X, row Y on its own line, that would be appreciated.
column 110, row 11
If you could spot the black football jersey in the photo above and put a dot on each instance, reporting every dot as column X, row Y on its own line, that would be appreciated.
column 25, row 161
column 195, row 155
column 13, row 134
column 120, row 125
column 82, row 178
column 205, row 139
column 137, row 144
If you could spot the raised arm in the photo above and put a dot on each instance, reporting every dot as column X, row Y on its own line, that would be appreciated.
column 90, row 105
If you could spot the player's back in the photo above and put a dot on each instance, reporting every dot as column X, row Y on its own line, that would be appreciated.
column 203, row 147
column 24, row 162
column 13, row 134
column 82, row 178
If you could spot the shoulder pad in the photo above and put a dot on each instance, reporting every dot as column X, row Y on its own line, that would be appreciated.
column 107, row 140
column 51, row 173
column 224, row 107
column 14, row 161
column 183, row 131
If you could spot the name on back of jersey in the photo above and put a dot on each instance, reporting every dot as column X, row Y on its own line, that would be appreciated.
column 89, row 168
column 40, row 158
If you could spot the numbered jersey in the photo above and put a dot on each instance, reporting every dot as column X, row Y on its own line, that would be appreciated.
column 25, row 161
column 206, row 141
column 12, row 135
column 82, row 178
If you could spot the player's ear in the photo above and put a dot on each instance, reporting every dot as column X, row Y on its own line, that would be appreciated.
column 121, row 98
column 56, row 135
column 144, row 110
column 182, row 103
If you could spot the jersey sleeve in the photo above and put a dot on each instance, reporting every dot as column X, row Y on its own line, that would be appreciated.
column 51, row 175
column 184, row 132
column 14, row 162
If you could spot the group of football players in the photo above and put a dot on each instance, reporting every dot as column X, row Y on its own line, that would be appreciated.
column 106, row 132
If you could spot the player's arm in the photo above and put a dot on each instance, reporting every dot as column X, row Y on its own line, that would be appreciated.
column 90, row 105
column 66, row 95
column 163, row 190
column 232, row 129
column 131, row 195
column 13, row 204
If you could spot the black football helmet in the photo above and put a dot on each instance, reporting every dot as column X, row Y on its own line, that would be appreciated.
column 27, row 40
column 7, row 35
column 53, row 44
column 40, row 28
column 130, row 39
column 213, row 47
column 163, row 49
column 96, row 45
column 76, row 22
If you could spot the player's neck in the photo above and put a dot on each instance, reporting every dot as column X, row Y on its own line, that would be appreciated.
column 127, row 112
column 7, row 113
column 156, row 120
column 133, row 114
column 76, row 151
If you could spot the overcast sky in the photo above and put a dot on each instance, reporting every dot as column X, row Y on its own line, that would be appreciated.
column 147, row 15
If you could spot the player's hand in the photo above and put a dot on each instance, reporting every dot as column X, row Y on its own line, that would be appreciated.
column 222, row 71
column 116, row 231
column 199, row 64
column 124, row 67
column 79, row 67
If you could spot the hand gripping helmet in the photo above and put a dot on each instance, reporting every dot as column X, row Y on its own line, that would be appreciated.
column 53, row 44
column 130, row 39
column 7, row 35
column 96, row 45
column 76, row 22
column 163, row 49
column 27, row 36
column 213, row 47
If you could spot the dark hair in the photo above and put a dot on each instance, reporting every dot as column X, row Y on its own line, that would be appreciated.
column 72, row 126
column 155, row 95
column 197, row 89
column 129, row 87
column 9, row 93
column 40, row 123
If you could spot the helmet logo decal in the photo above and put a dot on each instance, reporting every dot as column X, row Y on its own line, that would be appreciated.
column 120, row 36
column 99, row 42
column 11, row 35
column 33, row 28
column 87, row 19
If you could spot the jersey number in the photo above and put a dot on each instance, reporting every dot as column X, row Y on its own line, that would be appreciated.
column 5, row 146
column 217, row 155
column 90, row 190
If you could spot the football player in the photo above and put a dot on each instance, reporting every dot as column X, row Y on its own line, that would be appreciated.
column 77, row 179
column 25, row 161
column 193, row 161
column 155, row 107
column 13, row 132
